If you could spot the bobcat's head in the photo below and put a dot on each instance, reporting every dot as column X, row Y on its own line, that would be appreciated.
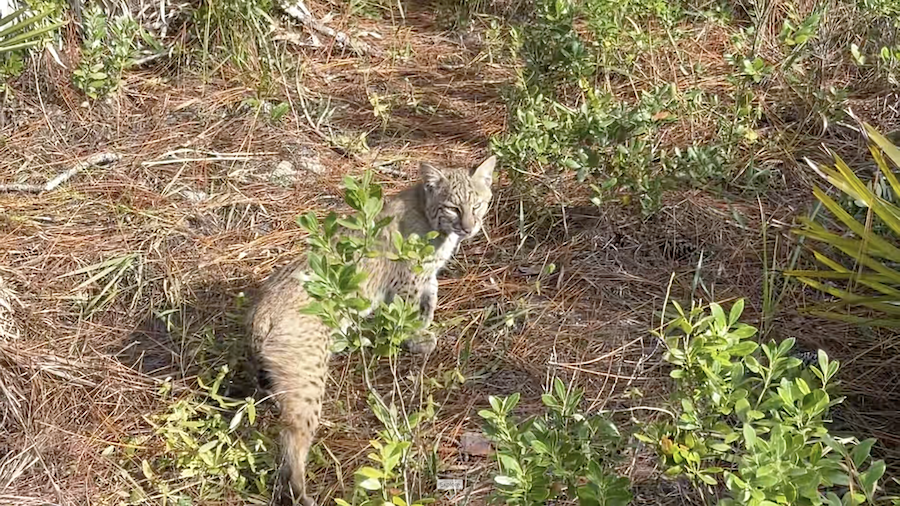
column 456, row 200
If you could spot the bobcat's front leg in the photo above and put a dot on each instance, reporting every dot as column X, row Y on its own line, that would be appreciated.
column 425, row 341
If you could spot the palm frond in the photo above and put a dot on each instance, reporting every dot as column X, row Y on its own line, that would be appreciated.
column 872, row 283
column 26, row 32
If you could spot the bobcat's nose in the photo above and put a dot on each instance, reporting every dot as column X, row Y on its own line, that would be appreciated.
column 467, row 224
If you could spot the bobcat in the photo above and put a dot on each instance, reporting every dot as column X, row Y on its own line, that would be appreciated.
column 293, row 348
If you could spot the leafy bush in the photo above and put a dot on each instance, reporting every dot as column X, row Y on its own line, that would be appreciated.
column 562, row 454
column 869, row 243
column 337, row 246
column 755, row 422
column 386, row 481
column 562, row 119
column 107, row 51
column 606, row 141
column 213, row 450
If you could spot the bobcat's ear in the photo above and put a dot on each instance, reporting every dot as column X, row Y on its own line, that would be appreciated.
column 485, row 171
column 430, row 175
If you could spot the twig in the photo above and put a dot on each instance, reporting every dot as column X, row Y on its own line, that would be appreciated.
column 149, row 58
column 212, row 157
column 595, row 359
column 299, row 11
column 98, row 159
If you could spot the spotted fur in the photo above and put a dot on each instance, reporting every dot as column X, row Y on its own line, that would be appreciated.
column 293, row 348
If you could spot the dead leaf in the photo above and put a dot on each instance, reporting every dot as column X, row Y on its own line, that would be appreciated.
column 473, row 443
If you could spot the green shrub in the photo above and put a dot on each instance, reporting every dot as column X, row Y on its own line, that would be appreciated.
column 386, row 480
column 756, row 422
column 606, row 142
column 564, row 118
column 213, row 450
column 108, row 49
column 337, row 245
column 562, row 454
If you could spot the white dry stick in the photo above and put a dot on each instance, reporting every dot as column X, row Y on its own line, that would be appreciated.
column 9, row 329
column 170, row 157
column 299, row 11
column 99, row 159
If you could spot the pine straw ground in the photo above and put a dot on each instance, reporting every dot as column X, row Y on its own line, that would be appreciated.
column 192, row 235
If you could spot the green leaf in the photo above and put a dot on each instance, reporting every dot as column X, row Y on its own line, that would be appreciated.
column 753, row 364
column 548, row 400
column 508, row 462
column 508, row 481
column 741, row 408
column 719, row 315
column 146, row 469
column 743, row 349
column 705, row 478
column 511, row 402
column 802, row 385
column 860, row 452
column 236, row 420
column 208, row 446
column 736, row 310
column 370, row 472
column 674, row 471
column 644, row 438
column 539, row 447
column 370, row 484
column 749, row 436
column 869, row 479
column 743, row 331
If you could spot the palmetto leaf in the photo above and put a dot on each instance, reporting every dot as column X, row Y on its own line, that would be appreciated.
column 25, row 33
column 873, row 283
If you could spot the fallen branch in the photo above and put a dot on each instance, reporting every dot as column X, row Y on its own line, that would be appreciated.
column 298, row 10
column 212, row 156
column 99, row 159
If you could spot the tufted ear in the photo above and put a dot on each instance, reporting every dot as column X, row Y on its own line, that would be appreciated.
column 485, row 171
column 430, row 175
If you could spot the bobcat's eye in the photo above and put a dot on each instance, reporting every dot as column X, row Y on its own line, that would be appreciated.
column 451, row 210
column 477, row 206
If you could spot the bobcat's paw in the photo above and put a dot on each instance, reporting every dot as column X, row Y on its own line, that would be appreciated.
column 283, row 495
column 422, row 343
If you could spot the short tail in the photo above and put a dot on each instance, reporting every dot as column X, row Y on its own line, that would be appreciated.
column 295, row 442
column 300, row 423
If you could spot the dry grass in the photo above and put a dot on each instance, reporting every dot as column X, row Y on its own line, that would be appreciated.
column 79, row 376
